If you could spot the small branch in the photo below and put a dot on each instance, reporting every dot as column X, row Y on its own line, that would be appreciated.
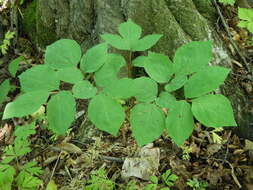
column 114, row 159
column 230, row 37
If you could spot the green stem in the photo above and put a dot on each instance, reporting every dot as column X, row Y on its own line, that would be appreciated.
column 129, row 66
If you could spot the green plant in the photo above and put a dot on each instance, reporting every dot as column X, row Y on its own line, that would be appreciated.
column 99, row 181
column 196, row 184
column 186, row 152
column 131, row 185
column 153, row 185
column 246, row 19
column 6, row 42
column 109, row 106
column 169, row 178
column 12, row 172
column 227, row 2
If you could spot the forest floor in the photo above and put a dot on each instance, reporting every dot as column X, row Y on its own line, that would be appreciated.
column 218, row 158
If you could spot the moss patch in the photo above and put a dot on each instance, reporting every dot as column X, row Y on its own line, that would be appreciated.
column 29, row 20
column 39, row 32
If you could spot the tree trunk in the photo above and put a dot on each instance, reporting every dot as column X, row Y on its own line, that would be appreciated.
column 180, row 21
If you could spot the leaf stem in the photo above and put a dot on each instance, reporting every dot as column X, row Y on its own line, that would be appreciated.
column 129, row 66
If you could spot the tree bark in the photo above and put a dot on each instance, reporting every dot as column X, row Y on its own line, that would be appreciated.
column 180, row 21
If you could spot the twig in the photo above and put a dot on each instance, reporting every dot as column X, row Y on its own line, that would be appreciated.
column 230, row 37
column 58, row 158
column 114, row 159
column 232, row 170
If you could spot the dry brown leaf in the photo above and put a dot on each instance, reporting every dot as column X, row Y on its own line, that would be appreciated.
column 5, row 133
column 70, row 148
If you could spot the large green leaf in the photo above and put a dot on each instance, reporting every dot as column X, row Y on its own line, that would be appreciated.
column 165, row 100
column 25, row 104
column 14, row 65
column 116, row 41
column 71, row 75
column 192, row 57
column 147, row 122
column 130, row 38
column 4, row 89
column 84, row 90
column 40, row 77
column 207, row 80
column 145, row 89
column 245, row 14
column 130, row 32
column 158, row 67
column 176, row 83
column 109, row 71
column 179, row 122
column 121, row 89
column 94, row 58
column 146, row 42
column 63, row 53
column 140, row 61
column 61, row 111
column 106, row 113
column 213, row 111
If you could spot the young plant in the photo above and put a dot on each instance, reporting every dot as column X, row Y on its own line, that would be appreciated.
column 246, row 19
column 6, row 42
column 196, row 184
column 116, row 98
column 153, row 185
column 169, row 178
column 12, row 173
column 99, row 181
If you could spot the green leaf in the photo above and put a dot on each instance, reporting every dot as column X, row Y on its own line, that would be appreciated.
column 116, row 41
column 84, row 90
column 243, row 24
column 21, row 148
column 109, row 71
column 159, row 67
column 26, row 181
column 245, row 14
column 23, row 132
column 176, row 83
column 71, row 75
column 61, row 110
column 205, row 81
column 192, row 57
column 62, row 54
column 14, row 65
column 106, row 114
column 121, row 89
column 146, row 42
column 51, row 185
column 25, row 104
column 179, row 122
column 4, row 90
column 165, row 100
column 145, row 89
column 9, row 155
column 7, row 178
column 94, row 58
column 130, row 31
column 140, row 61
column 213, row 111
column 130, row 38
column 147, row 122
column 39, row 77
column 32, row 168
column 227, row 2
